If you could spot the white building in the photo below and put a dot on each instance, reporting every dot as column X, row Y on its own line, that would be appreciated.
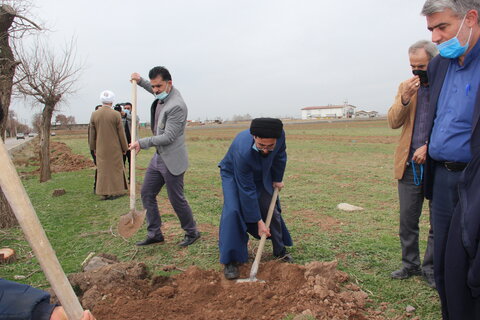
column 366, row 114
column 330, row 111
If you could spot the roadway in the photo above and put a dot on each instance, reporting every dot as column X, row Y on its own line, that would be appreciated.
column 11, row 143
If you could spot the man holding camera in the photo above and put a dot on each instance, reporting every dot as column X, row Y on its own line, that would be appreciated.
column 409, row 112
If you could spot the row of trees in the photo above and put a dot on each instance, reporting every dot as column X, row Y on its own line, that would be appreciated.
column 39, row 74
column 13, row 126
column 65, row 122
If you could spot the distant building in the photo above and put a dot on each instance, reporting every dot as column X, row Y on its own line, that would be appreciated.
column 330, row 111
column 366, row 114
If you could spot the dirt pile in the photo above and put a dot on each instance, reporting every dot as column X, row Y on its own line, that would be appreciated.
column 62, row 159
column 317, row 290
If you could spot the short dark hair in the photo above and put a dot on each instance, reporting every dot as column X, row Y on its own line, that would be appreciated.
column 160, row 71
column 118, row 108
column 127, row 104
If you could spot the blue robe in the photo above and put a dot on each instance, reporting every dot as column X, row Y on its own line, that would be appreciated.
column 20, row 301
column 245, row 175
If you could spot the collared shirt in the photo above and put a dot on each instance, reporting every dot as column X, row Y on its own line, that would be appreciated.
column 160, row 105
column 159, row 108
column 420, row 134
column 452, row 128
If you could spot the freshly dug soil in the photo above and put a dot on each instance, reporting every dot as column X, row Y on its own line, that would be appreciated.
column 319, row 290
column 62, row 159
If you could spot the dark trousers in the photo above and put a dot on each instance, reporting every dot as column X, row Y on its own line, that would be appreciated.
column 411, row 202
column 275, row 225
column 460, row 303
column 94, row 157
column 125, row 157
column 156, row 177
column 444, row 201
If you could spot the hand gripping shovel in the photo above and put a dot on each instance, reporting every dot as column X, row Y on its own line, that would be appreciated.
column 132, row 221
column 258, row 257
column 27, row 218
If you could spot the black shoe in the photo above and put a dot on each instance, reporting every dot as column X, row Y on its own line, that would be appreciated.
column 287, row 257
column 231, row 271
column 105, row 197
column 405, row 273
column 115, row 197
column 428, row 276
column 189, row 239
column 149, row 241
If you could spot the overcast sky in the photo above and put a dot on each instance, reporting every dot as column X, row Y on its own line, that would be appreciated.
column 262, row 57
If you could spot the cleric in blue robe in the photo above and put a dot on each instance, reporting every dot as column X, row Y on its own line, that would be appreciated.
column 253, row 166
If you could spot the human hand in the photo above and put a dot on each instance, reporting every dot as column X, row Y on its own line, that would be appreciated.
column 278, row 185
column 134, row 146
column 87, row 316
column 420, row 155
column 135, row 76
column 59, row 314
column 262, row 229
column 410, row 87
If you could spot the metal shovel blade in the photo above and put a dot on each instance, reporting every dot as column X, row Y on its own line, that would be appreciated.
column 254, row 279
column 130, row 223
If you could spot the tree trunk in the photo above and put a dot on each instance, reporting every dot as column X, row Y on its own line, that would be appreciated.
column 7, row 65
column 45, row 172
column 7, row 218
column 7, row 71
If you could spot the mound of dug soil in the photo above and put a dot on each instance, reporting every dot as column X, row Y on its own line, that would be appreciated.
column 317, row 290
column 62, row 159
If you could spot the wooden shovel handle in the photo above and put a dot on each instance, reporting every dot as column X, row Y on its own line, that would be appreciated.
column 133, row 153
column 258, row 256
column 27, row 218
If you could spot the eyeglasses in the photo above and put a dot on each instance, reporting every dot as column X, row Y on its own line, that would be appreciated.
column 264, row 147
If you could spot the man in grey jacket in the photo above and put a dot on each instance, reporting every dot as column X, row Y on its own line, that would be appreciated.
column 168, row 165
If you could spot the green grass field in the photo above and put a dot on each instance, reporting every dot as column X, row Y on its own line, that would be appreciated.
column 328, row 163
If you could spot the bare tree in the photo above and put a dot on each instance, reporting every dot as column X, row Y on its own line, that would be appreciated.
column 48, row 77
column 62, row 119
column 37, row 122
column 13, row 25
column 71, row 121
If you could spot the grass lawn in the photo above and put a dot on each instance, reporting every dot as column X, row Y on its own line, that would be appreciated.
column 328, row 163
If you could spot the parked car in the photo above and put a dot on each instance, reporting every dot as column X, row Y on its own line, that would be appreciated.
column 31, row 134
column 20, row 135
column 53, row 134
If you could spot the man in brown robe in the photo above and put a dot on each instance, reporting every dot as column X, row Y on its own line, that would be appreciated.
column 107, row 139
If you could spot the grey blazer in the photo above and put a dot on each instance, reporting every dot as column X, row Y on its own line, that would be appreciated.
column 169, row 138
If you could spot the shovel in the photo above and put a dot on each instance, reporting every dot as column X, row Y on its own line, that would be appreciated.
column 258, row 257
column 27, row 218
column 132, row 221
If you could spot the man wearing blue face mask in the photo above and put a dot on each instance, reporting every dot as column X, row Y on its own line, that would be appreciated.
column 452, row 171
column 168, row 165
column 253, row 166
column 409, row 112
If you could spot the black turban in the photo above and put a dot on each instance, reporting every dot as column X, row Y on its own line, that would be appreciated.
column 266, row 128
